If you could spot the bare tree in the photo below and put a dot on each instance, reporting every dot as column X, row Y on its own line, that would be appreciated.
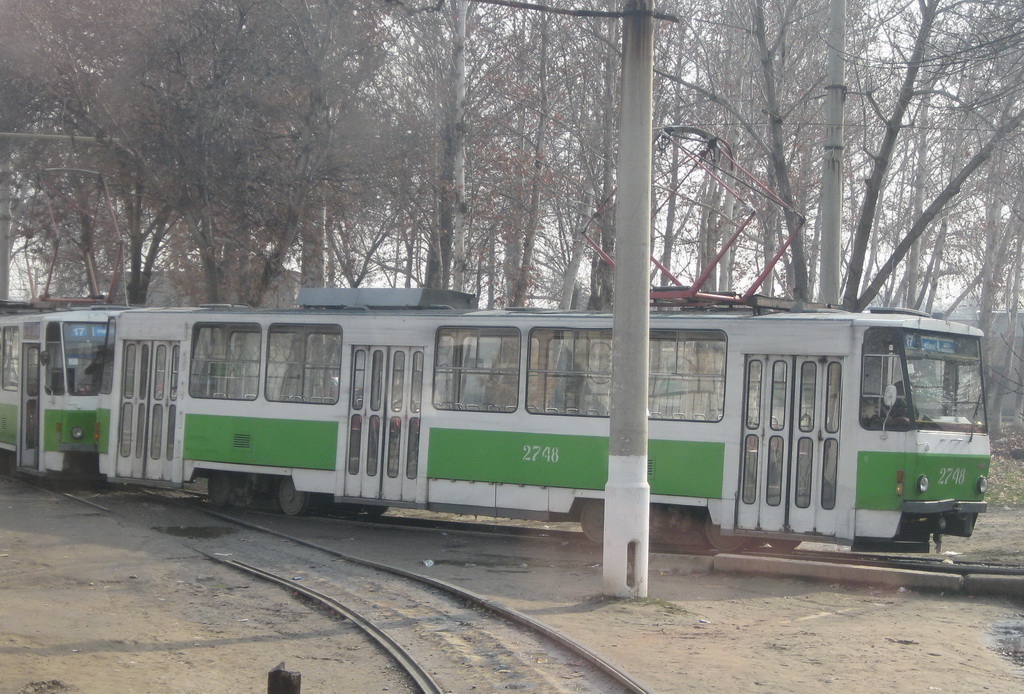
column 949, row 39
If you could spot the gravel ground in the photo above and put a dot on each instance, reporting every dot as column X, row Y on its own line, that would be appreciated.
column 97, row 602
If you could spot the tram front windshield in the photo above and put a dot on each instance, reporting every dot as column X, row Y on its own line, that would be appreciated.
column 84, row 356
column 933, row 381
column 945, row 381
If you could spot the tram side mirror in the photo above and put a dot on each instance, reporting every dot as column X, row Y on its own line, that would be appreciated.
column 889, row 396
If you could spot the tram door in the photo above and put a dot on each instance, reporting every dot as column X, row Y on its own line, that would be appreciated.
column 790, row 444
column 385, row 403
column 148, row 411
column 28, row 449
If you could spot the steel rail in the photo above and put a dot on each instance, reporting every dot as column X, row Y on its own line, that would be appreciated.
column 409, row 665
column 919, row 563
column 599, row 662
column 895, row 561
column 54, row 492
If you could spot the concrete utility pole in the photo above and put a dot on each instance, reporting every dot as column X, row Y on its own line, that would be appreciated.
column 627, row 493
column 832, row 166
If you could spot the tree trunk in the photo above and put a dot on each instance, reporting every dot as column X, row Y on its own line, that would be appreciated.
column 777, row 155
column 936, row 206
column 524, row 273
column 600, row 272
column 874, row 185
column 200, row 228
column 914, row 294
column 569, row 283
column 459, row 262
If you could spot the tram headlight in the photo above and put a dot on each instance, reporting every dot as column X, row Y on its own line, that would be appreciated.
column 922, row 484
column 77, row 432
column 982, row 484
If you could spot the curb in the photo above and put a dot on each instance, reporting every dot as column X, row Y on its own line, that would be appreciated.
column 1002, row 586
column 840, row 573
column 973, row 584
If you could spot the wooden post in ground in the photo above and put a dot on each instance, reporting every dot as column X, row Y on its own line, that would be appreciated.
column 280, row 681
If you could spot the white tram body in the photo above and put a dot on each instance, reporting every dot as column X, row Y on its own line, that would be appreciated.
column 864, row 429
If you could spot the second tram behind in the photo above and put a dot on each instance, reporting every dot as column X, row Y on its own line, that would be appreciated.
column 51, row 368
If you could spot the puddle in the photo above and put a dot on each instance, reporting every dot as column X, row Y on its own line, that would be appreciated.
column 197, row 532
column 1009, row 640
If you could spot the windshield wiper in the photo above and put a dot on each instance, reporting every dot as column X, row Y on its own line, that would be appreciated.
column 974, row 416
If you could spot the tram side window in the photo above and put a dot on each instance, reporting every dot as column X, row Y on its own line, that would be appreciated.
column 53, row 357
column 11, row 361
column 225, row 361
column 687, row 375
column 882, row 367
column 31, row 373
column 833, row 391
column 477, row 369
column 107, row 357
column 304, row 363
column 570, row 372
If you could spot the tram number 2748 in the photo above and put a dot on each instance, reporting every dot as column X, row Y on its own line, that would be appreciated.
column 952, row 475
column 533, row 454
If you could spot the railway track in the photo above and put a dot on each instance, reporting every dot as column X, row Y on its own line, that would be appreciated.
column 925, row 563
column 417, row 673
column 546, row 639
column 728, row 608
column 922, row 562
column 425, row 625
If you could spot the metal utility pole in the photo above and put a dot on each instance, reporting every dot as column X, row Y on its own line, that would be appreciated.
column 627, row 493
column 832, row 166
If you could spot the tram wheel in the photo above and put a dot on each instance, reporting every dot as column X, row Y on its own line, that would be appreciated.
column 291, row 501
column 373, row 510
column 592, row 519
column 723, row 543
column 677, row 526
column 218, row 489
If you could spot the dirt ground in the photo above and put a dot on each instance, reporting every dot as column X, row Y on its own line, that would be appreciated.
column 91, row 602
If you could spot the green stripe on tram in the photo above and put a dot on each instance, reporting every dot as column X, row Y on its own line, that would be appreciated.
column 9, row 424
column 949, row 477
column 103, row 420
column 682, row 468
column 258, row 441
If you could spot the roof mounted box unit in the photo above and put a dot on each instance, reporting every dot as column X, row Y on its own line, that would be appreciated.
column 422, row 298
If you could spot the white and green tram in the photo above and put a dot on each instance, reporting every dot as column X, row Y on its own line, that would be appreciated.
column 51, row 368
column 863, row 429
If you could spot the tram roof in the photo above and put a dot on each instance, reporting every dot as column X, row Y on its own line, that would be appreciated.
column 34, row 312
column 909, row 320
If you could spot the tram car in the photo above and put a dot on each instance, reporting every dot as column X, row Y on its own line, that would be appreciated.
column 862, row 429
column 51, row 369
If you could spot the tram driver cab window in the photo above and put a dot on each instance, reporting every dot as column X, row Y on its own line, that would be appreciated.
column 53, row 358
column 883, row 393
